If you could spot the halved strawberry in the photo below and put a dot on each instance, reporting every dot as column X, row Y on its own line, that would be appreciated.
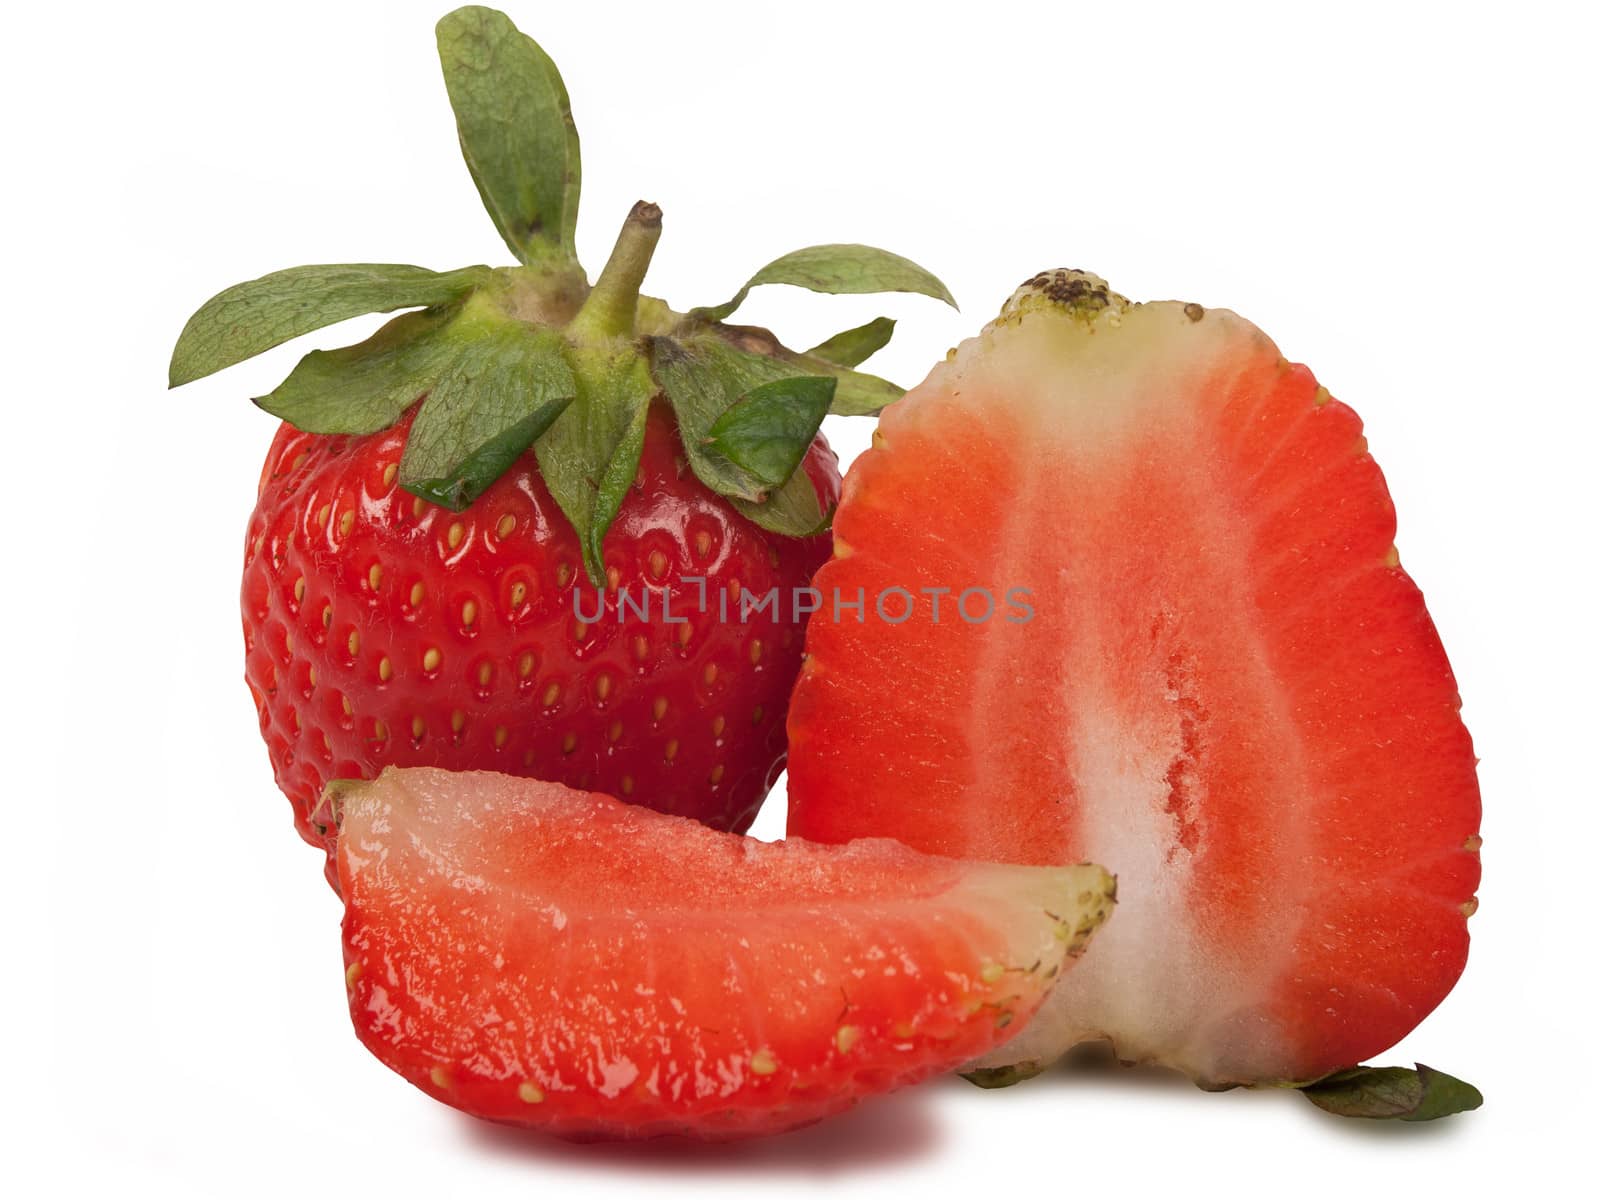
column 1198, row 662
column 558, row 959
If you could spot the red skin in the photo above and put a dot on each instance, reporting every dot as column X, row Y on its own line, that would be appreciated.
column 685, row 718
column 613, row 973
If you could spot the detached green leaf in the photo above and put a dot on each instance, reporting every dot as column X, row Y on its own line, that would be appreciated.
column 365, row 387
column 501, row 392
column 1393, row 1093
column 839, row 270
column 769, row 431
column 517, row 133
column 590, row 455
column 248, row 318
column 854, row 346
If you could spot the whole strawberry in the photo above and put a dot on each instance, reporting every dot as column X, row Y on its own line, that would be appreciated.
column 536, row 526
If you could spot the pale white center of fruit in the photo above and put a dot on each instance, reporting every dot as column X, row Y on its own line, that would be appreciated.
column 1165, row 980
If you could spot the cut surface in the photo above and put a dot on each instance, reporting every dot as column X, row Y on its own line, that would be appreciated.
column 1226, row 689
column 557, row 959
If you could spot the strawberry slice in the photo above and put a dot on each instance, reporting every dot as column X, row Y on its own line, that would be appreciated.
column 557, row 959
column 1201, row 665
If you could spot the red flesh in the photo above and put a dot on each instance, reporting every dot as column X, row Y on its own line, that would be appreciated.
column 1231, row 693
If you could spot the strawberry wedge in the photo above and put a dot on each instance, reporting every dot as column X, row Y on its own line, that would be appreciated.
column 559, row 960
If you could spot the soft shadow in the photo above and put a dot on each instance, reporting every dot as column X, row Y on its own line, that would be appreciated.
column 879, row 1133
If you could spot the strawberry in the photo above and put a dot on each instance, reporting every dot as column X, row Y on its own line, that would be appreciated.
column 536, row 525
column 1202, row 665
column 555, row 959
column 418, row 636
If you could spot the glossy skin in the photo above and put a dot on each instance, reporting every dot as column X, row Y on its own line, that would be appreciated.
column 380, row 629
column 1230, row 694
column 557, row 960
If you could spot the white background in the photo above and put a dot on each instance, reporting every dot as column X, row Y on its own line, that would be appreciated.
column 1401, row 195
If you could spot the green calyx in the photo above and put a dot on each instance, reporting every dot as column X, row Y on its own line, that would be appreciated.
column 531, row 356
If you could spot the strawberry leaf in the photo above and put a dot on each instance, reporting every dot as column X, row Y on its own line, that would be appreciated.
column 1393, row 1093
column 502, row 391
column 839, row 270
column 590, row 455
column 703, row 378
column 855, row 394
column 792, row 510
column 516, row 130
column 854, row 346
column 365, row 387
column 248, row 318
column 769, row 430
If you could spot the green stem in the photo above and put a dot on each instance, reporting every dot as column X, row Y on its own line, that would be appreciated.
column 611, row 307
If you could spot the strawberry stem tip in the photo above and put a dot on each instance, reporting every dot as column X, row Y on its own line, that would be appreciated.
column 610, row 309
